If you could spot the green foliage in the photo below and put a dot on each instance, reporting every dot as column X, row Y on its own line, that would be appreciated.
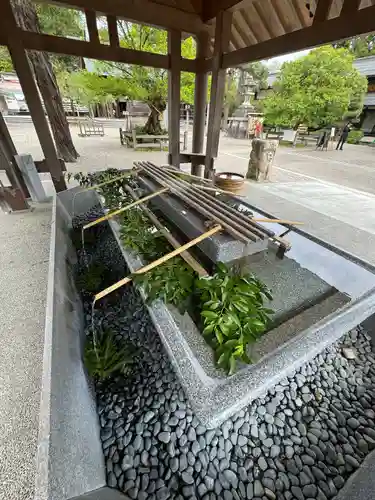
column 231, row 306
column 114, row 80
column 359, row 46
column 5, row 60
column 258, row 72
column 114, row 193
column 172, row 282
column 233, row 314
column 137, row 232
column 107, row 357
column 317, row 90
column 58, row 21
column 90, row 280
column 355, row 136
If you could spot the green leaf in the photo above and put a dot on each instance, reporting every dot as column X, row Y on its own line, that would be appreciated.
column 208, row 329
column 209, row 314
column 219, row 335
column 232, row 365
column 235, row 319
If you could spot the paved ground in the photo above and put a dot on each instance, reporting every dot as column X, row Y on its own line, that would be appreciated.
column 24, row 254
column 332, row 192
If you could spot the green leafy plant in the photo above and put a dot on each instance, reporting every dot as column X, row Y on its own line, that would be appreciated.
column 355, row 136
column 233, row 314
column 230, row 306
column 90, row 279
column 114, row 193
column 318, row 89
column 172, row 282
column 106, row 357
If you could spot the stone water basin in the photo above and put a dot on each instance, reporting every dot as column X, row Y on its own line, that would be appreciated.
column 319, row 294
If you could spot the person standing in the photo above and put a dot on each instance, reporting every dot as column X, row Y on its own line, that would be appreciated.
column 258, row 129
column 343, row 137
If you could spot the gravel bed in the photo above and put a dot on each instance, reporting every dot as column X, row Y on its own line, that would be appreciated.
column 301, row 441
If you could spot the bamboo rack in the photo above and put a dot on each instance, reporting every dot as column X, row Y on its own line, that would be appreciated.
column 188, row 258
column 239, row 235
column 157, row 262
column 123, row 209
column 215, row 205
column 237, row 224
column 212, row 201
column 279, row 221
column 233, row 226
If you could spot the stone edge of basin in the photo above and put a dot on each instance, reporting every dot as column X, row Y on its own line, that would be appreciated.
column 216, row 400
column 69, row 459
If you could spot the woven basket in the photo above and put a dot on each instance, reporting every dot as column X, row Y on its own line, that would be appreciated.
column 230, row 181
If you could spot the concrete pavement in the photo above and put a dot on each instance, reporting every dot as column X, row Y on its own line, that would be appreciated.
column 24, row 255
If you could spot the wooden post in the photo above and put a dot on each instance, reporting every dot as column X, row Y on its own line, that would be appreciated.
column 9, row 150
column 222, row 34
column 29, row 88
column 13, row 195
column 174, row 80
column 112, row 31
column 92, row 26
column 200, row 98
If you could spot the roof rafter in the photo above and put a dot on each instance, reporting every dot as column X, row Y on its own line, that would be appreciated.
column 267, row 27
column 322, row 10
column 242, row 29
column 325, row 32
column 212, row 7
column 298, row 9
column 248, row 22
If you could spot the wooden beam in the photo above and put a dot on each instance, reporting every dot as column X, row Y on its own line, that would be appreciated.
column 92, row 27
column 242, row 28
column 349, row 7
column 322, row 10
column 318, row 34
column 236, row 39
column 200, row 96
column 9, row 150
column 222, row 34
column 22, row 67
column 248, row 22
column 263, row 20
column 70, row 46
column 211, row 8
column 197, row 6
column 279, row 15
column 112, row 31
column 174, row 84
column 140, row 11
column 300, row 8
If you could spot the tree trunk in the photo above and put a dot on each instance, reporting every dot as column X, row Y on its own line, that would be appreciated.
column 153, row 124
column 27, row 19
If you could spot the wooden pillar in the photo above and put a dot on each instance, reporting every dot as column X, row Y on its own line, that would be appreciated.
column 222, row 33
column 174, row 83
column 9, row 150
column 13, row 196
column 200, row 95
column 23, row 69
column 92, row 26
column 112, row 31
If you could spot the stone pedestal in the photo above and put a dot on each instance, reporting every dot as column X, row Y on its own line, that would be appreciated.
column 261, row 159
